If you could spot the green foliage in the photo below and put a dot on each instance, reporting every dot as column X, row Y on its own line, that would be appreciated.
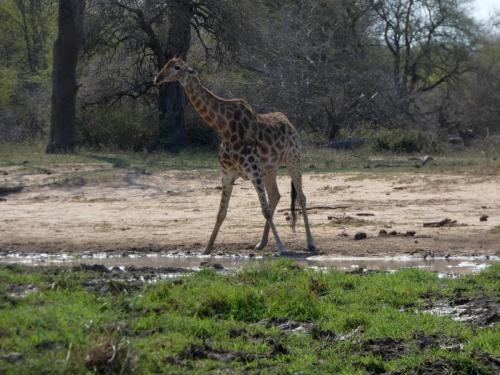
column 8, row 82
column 330, row 52
column 28, row 33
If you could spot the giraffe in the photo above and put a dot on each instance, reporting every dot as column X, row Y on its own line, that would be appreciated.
column 253, row 147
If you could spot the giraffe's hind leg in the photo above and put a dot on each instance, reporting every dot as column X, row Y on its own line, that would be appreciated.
column 266, row 211
column 274, row 197
column 227, row 188
column 296, row 175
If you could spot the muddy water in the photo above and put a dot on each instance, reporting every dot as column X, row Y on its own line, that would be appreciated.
column 453, row 266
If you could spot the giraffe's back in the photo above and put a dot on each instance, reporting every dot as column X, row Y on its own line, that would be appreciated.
column 278, row 140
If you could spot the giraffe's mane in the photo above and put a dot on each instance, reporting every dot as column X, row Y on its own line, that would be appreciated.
column 233, row 100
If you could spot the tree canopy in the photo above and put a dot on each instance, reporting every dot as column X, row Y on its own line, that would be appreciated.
column 336, row 67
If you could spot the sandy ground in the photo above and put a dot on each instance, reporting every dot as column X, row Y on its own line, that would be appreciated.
column 91, row 208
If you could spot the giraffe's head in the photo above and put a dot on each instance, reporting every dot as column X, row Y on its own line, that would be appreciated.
column 175, row 69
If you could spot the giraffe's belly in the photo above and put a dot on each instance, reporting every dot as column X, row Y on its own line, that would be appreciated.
column 245, row 160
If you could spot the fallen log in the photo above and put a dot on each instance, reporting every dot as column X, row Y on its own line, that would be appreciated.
column 442, row 223
column 4, row 190
column 337, row 207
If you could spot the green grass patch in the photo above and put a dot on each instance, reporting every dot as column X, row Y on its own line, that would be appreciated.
column 364, row 161
column 33, row 154
column 210, row 322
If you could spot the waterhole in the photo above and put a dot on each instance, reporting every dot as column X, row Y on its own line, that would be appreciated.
column 452, row 266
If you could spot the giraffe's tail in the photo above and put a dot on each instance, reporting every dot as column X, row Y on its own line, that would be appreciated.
column 292, row 207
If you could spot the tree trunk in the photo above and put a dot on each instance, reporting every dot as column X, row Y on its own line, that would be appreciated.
column 172, row 99
column 64, row 84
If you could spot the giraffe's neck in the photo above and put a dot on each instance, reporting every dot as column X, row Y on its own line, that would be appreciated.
column 207, row 104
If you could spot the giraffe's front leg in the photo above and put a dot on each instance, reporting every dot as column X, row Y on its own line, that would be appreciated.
column 227, row 188
column 267, row 212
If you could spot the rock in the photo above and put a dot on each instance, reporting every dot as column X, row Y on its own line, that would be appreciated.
column 360, row 236
column 215, row 266
column 95, row 267
column 383, row 233
column 410, row 233
column 484, row 218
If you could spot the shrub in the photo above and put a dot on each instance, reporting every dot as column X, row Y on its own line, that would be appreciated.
column 133, row 126
column 401, row 141
column 124, row 126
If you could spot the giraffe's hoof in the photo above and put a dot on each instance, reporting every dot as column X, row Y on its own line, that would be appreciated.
column 207, row 251
column 312, row 248
column 282, row 250
column 260, row 245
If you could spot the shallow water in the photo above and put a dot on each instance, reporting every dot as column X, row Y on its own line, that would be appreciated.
column 452, row 266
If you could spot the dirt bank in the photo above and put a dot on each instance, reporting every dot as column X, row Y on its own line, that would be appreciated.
column 82, row 208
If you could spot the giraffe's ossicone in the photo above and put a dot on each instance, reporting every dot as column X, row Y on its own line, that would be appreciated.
column 253, row 147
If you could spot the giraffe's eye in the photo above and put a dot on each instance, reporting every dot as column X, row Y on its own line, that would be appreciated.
column 177, row 67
